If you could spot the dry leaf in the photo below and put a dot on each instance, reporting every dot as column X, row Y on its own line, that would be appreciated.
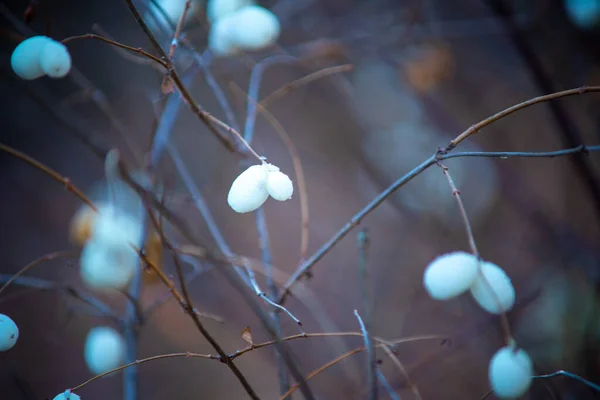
column 247, row 336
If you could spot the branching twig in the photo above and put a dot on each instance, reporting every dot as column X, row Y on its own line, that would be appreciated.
column 403, row 371
column 438, row 156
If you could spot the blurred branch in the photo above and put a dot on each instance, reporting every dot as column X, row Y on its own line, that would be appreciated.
column 42, row 284
column 254, row 87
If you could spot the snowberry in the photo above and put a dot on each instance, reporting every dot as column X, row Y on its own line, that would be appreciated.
column 450, row 275
column 25, row 59
column 583, row 13
column 67, row 395
column 9, row 333
column 107, row 267
column 495, row 293
column 221, row 40
column 256, row 28
column 103, row 350
column 279, row 185
column 55, row 59
column 218, row 9
column 249, row 190
column 114, row 227
column 510, row 372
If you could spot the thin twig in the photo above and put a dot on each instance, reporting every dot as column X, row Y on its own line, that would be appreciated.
column 321, row 369
column 41, row 284
column 36, row 262
column 137, row 50
column 371, row 359
column 178, row 29
column 285, row 89
column 540, row 99
column 386, row 385
column 49, row 171
column 365, row 289
column 471, row 238
column 403, row 371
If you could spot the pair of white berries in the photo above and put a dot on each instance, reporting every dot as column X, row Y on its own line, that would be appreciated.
column 108, row 260
column 450, row 275
column 9, row 333
column 38, row 56
column 453, row 274
column 240, row 25
column 253, row 187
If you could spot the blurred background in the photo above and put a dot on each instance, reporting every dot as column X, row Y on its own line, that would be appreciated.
column 422, row 71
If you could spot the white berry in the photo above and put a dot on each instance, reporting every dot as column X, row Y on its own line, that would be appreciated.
column 279, row 185
column 256, row 28
column 105, row 267
column 55, row 59
column 9, row 333
column 510, row 372
column 25, row 59
column 221, row 38
column 450, row 275
column 67, row 395
column 114, row 227
column 248, row 191
column 496, row 293
column 217, row 9
column 104, row 349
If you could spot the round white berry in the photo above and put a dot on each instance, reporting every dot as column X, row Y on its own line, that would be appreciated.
column 248, row 191
column 218, row 9
column 9, row 333
column 510, row 372
column 450, row 275
column 256, row 28
column 103, row 350
column 55, row 59
column 114, row 227
column 105, row 267
column 221, row 38
column 67, row 395
column 279, row 185
column 496, row 293
column 25, row 59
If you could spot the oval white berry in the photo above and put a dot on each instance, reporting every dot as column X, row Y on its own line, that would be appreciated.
column 25, row 59
column 105, row 267
column 496, row 293
column 279, row 185
column 450, row 275
column 104, row 349
column 67, row 395
column 256, row 28
column 9, row 333
column 510, row 372
column 221, row 38
column 248, row 191
column 217, row 9
column 55, row 59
